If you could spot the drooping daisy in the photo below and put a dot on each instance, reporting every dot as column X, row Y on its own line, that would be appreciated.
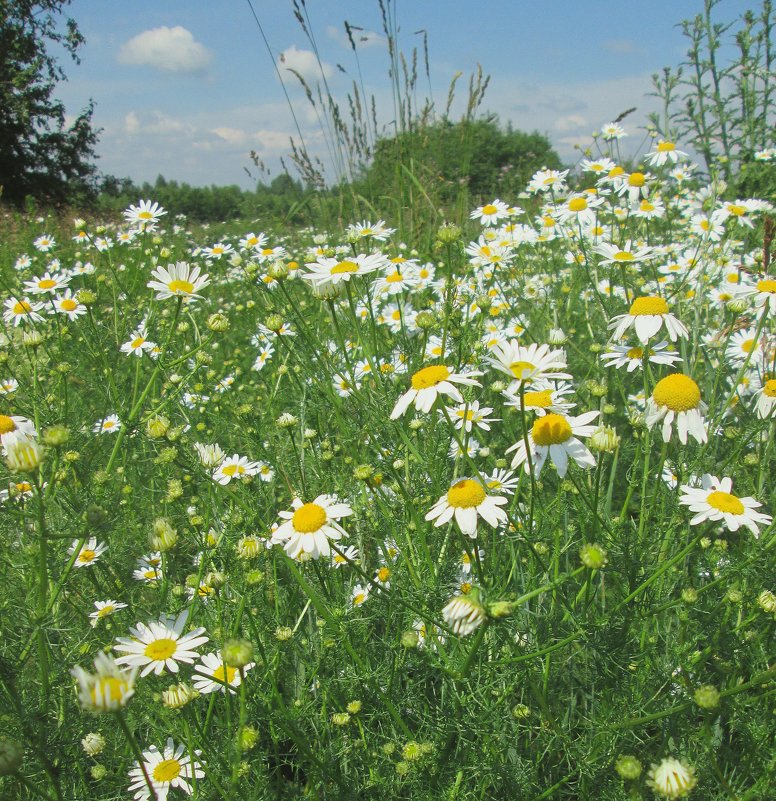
column 465, row 501
column 430, row 382
column 464, row 613
column 310, row 526
column 212, row 674
column 8, row 386
column 671, row 778
column 342, row 557
column 210, row 456
column 168, row 769
column 108, row 425
column 145, row 215
column 103, row 609
column 109, row 688
column 555, row 435
column 528, row 363
column 633, row 358
column 178, row 280
column 646, row 316
column 234, row 467
column 714, row 501
column 159, row 644
column 22, row 310
column 88, row 553
column 467, row 415
column 677, row 397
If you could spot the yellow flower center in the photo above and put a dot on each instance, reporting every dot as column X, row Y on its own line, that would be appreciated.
column 25, row 486
column 466, row 587
column 465, row 494
column 109, row 689
column 615, row 172
column 645, row 205
column 648, row 305
column 748, row 345
column 359, row 598
column 769, row 388
column 21, row 307
column 309, row 517
column 665, row 147
column 623, row 255
column 167, row 770
column 230, row 470
column 635, row 353
column 738, row 211
column 542, row 399
column 68, row 304
column 218, row 250
column 766, row 285
column 86, row 555
column 106, row 610
column 394, row 278
column 225, row 673
column 136, row 343
column 108, row 424
column 489, row 209
column 725, row 502
column 145, row 215
column 552, row 429
column 6, row 424
column 161, row 649
column 344, row 267
column 520, row 369
column 577, row 204
column 180, row 287
column 46, row 283
column 678, row 392
column 430, row 376
column 383, row 574
column 636, row 179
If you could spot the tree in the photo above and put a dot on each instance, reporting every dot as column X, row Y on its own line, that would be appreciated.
column 40, row 155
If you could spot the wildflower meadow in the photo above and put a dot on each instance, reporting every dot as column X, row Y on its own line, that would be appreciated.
column 438, row 507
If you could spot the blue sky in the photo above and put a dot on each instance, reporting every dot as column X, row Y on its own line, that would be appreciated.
column 187, row 88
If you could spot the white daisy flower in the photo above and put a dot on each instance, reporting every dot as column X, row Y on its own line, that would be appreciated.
column 212, row 674
column 763, row 292
column 103, row 609
column 528, row 363
column 44, row 243
column 15, row 426
column 627, row 254
column 178, row 280
column 68, row 305
column 210, row 456
column 138, row 343
column 310, row 526
column 490, row 213
column 88, row 553
column 555, row 435
column 543, row 397
column 358, row 595
column 467, row 415
column 234, row 467
column 159, row 644
column 766, row 397
column 108, row 425
column 677, row 397
column 633, row 358
column 430, row 382
column 646, row 316
column 168, row 769
column 8, row 386
column 46, row 284
column 465, row 501
column 663, row 153
column 714, row 501
column 464, row 613
column 22, row 310
column 327, row 271
column 109, row 688
column 502, row 480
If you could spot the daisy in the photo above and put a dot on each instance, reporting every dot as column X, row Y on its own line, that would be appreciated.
column 15, row 426
column 138, row 343
column 744, row 345
column 22, row 310
column 378, row 230
column 677, row 397
column 598, row 166
column 8, row 386
column 465, row 500
column 178, row 280
column 490, row 213
column 466, row 415
column 159, row 644
column 626, row 254
column 633, row 358
column 543, row 397
column 217, row 251
column 663, row 153
column 580, row 209
column 211, row 674
column 464, row 613
column 502, row 480
column 612, row 130
column 234, row 467
column 358, row 595
column 310, row 526
column 555, row 435
column 210, row 456
column 650, row 209
column 108, row 689
column 108, row 425
column 145, row 215
column 68, row 305
column 46, row 284
column 646, row 316
column 547, row 180
column 763, row 291
column 527, row 363
column 766, row 398
column 103, row 609
column 88, row 553
column 344, row 556
column 714, row 501
column 172, row 768
column 44, row 243
column 330, row 272
column 253, row 241
column 430, row 382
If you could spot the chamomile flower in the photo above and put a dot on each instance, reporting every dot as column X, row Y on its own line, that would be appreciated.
column 664, row 152
column 766, row 397
column 647, row 315
column 612, row 130
column 215, row 252
column 210, row 456
column 108, row 425
column 13, row 427
column 465, row 501
column 358, row 595
column 428, row 384
column 160, row 644
column 467, row 415
column 632, row 358
column 309, row 527
column 528, row 363
column 330, row 272
column 109, row 688
column 714, row 501
column 44, row 243
column 46, row 284
column 103, row 609
column 88, row 553
column 502, row 480
column 212, row 674
column 22, row 310
column 543, row 397
column 234, row 467
column 68, row 305
column 344, row 556
column 379, row 230
column 627, row 254
column 744, row 345
column 8, row 386
column 253, row 241
column 145, row 215
column 166, row 769
column 677, row 398
column 763, row 293
column 490, row 213
column 580, row 209
column 138, row 343
column 178, row 280
column 555, row 435
column 464, row 613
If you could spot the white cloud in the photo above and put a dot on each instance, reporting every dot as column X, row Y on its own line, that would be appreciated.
column 570, row 122
column 154, row 123
column 305, row 63
column 172, row 49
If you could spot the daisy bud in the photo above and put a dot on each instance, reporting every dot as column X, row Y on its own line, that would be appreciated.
column 671, row 778
column 628, row 767
column 738, row 305
column 354, row 707
column 767, row 601
column 286, row 420
column 604, row 439
column 23, row 455
column 593, row 556
column 215, row 579
column 557, row 336
column 690, row 595
column 409, row 639
column 157, row 426
column 363, row 472
column 163, row 536
column 56, row 436
column 425, row 320
column 340, row 718
column 98, row 772
column 248, row 738
column 11, row 756
column 237, row 653
column 274, row 322
column 178, row 695
column 500, row 609
column 278, row 270
column 31, row 339
column 283, row 633
column 521, row 712
column 93, row 743
column 218, row 322
column 249, row 547
column 79, row 223
column 707, row 696
column 448, row 233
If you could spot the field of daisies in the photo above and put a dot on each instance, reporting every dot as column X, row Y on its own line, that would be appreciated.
column 335, row 515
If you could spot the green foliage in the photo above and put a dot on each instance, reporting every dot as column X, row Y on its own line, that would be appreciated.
column 40, row 155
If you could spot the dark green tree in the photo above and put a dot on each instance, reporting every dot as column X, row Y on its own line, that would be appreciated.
column 40, row 155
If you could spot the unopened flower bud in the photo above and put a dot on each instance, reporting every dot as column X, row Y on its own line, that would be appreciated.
column 237, row 653
column 593, row 556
